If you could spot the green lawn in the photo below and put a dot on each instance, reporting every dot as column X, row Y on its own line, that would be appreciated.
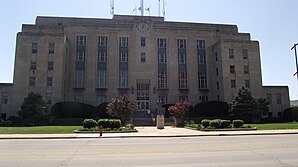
column 275, row 126
column 39, row 130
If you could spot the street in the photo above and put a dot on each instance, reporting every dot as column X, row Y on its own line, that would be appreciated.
column 263, row 150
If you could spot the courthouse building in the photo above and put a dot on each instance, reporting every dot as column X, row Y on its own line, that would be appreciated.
column 92, row 60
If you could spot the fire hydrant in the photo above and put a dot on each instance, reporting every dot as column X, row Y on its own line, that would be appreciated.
column 100, row 130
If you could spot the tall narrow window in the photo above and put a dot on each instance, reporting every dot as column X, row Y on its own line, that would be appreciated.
column 123, row 41
column 81, row 40
column 183, row 98
column 101, row 79
column 232, row 69
column 216, row 57
column 143, row 41
column 81, row 55
column 33, row 66
column 50, row 66
column 182, row 58
column 202, row 80
column 49, row 81
column 123, row 79
column 161, row 43
column 102, row 41
column 181, row 43
column 162, row 80
column 102, row 56
column 200, row 44
column 231, row 53
column 143, row 57
column 123, row 57
column 269, row 97
column 245, row 53
column 49, row 98
column 216, row 71
column 278, row 99
column 101, row 99
column 163, row 99
column 233, row 83
column 246, row 69
column 4, row 98
column 80, row 79
column 247, row 83
column 182, row 80
column 162, row 58
column 202, row 58
column 203, row 98
column 51, row 48
column 31, row 81
column 34, row 47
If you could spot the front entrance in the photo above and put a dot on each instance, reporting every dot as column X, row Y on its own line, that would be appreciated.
column 143, row 95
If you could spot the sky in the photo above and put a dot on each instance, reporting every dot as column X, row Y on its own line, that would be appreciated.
column 271, row 22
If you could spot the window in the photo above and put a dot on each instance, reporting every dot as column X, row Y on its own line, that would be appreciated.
column 162, row 80
column 183, row 98
column 216, row 57
column 123, row 41
column 231, row 53
column 49, row 81
column 233, row 83
column 217, row 85
column 143, row 57
column 200, row 44
column 181, row 43
column 161, row 43
column 202, row 80
column 4, row 97
column 202, row 59
column 245, row 53
column 143, row 41
column 162, row 58
column 33, row 66
column 102, row 56
column 101, row 83
column 81, row 40
column 34, row 47
column 123, row 79
column 123, row 57
column 79, row 99
column 49, row 98
column 50, row 66
column 278, row 99
column 31, row 81
column 203, row 98
column 163, row 99
column 246, row 69
column 80, row 79
column 247, row 83
column 81, row 55
column 216, row 71
column 102, row 41
column 101, row 99
column 232, row 69
column 269, row 97
column 51, row 48
column 182, row 80
column 181, row 58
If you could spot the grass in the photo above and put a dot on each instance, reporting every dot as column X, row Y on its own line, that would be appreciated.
column 39, row 130
column 275, row 126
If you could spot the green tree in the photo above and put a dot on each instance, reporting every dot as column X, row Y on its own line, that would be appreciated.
column 245, row 106
column 32, row 108
column 263, row 106
column 121, row 107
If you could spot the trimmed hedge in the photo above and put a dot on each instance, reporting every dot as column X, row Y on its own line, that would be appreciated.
column 211, row 109
column 89, row 123
column 225, row 123
column 73, row 110
column 215, row 123
column 238, row 123
column 110, row 123
column 205, row 123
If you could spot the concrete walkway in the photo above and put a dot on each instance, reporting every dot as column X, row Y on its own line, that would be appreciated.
column 168, row 131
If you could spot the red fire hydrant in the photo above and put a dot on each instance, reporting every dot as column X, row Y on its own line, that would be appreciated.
column 100, row 130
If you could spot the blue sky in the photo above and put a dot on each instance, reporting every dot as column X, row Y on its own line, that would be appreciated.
column 271, row 22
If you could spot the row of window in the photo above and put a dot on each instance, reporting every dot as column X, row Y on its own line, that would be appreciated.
column 278, row 98
column 32, row 81
column 51, row 48
column 4, row 98
column 232, row 70
column 233, row 83
column 232, row 54
column 50, row 66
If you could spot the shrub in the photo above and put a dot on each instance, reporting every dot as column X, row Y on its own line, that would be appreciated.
column 211, row 109
column 115, row 123
column 205, row 123
column 89, row 123
column 109, row 123
column 215, row 123
column 130, row 126
column 225, row 123
column 180, row 109
column 238, row 123
column 105, row 123
column 73, row 110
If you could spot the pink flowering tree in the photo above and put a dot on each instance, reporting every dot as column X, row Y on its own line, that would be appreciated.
column 180, row 109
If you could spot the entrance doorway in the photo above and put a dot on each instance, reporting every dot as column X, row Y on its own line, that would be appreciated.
column 143, row 95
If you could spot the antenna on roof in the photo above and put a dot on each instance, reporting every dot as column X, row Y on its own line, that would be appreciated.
column 112, row 11
column 164, row 9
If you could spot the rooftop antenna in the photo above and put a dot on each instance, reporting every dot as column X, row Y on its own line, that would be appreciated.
column 141, row 8
column 164, row 9
column 158, row 7
column 112, row 7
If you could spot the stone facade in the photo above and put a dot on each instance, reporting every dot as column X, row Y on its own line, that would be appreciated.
column 151, row 60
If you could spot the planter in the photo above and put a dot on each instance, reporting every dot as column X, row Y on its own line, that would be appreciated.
column 178, row 122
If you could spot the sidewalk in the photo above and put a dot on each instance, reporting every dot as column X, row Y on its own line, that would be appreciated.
column 169, row 131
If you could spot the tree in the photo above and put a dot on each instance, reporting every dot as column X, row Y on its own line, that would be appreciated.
column 180, row 109
column 263, row 106
column 245, row 106
column 32, row 108
column 121, row 107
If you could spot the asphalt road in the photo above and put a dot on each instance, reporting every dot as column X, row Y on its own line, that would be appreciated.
column 271, row 150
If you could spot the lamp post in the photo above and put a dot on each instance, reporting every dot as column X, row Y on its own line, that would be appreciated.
column 294, row 47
